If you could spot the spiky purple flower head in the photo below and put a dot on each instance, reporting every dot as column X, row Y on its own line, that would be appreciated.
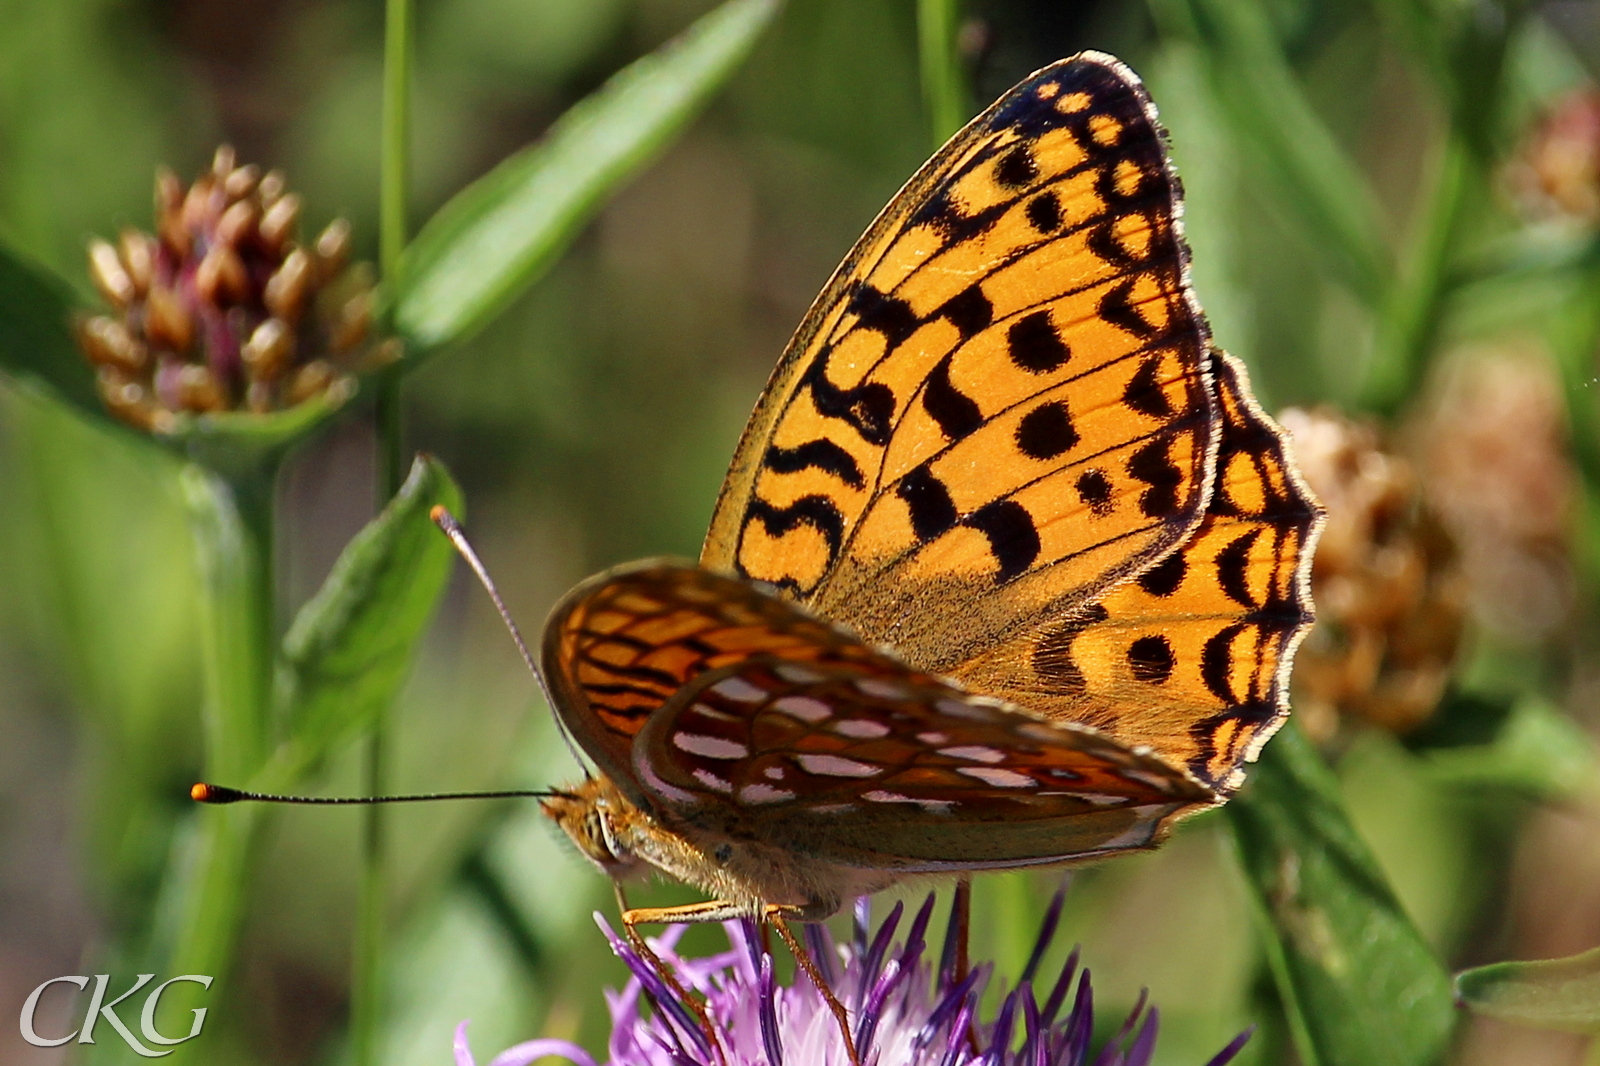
column 905, row 1008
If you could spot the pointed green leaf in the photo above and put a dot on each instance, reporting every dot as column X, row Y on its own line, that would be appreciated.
column 1360, row 986
column 348, row 651
column 1559, row 994
column 500, row 233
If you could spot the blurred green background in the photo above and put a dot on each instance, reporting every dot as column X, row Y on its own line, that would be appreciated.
column 592, row 422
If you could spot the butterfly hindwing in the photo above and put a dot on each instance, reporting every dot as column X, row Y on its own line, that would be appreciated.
column 870, row 763
column 1000, row 403
column 619, row 645
column 1192, row 657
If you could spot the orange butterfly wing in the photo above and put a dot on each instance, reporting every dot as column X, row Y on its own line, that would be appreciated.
column 1192, row 658
column 1000, row 405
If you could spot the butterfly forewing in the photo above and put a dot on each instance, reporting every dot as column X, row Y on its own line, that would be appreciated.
column 1192, row 658
column 1000, row 403
column 871, row 763
column 621, row 644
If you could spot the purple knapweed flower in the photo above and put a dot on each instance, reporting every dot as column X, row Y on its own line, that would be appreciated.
column 905, row 1010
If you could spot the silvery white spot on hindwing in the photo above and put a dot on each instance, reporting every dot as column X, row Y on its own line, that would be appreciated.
column 739, row 690
column 975, row 753
column 835, row 766
column 999, row 778
column 710, row 747
column 861, row 728
column 805, row 708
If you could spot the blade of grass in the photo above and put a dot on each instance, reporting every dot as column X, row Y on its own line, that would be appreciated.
column 943, row 87
column 1319, row 186
column 1359, row 985
column 1409, row 323
column 503, row 231
column 394, row 184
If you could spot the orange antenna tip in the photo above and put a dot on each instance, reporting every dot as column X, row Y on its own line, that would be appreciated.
column 438, row 513
column 201, row 792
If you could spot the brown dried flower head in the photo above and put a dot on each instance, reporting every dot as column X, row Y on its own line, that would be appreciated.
column 225, row 309
column 1557, row 172
column 1390, row 596
column 1492, row 445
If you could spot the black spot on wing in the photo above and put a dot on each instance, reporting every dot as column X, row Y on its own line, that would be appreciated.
column 956, row 413
column 1016, row 168
column 867, row 408
column 1046, row 431
column 1034, row 345
column 1164, row 578
column 1044, row 212
column 1216, row 660
column 1152, row 465
column 1116, row 307
column 818, row 512
column 1052, row 657
column 1013, row 538
column 1151, row 659
column 1232, row 564
column 1144, row 393
column 968, row 310
column 1094, row 489
column 822, row 455
column 933, row 512
column 888, row 315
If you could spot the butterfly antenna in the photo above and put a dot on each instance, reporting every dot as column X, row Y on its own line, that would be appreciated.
column 452, row 529
column 219, row 795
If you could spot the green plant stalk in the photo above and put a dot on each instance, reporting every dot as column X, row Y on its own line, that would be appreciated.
column 367, row 967
column 231, row 520
column 943, row 86
column 1409, row 323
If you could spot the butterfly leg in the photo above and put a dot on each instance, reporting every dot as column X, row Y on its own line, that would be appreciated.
column 710, row 911
column 776, row 914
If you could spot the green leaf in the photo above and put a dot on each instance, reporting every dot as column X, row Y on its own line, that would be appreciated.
column 943, row 82
column 1538, row 751
column 1559, row 994
column 36, row 343
column 1360, row 986
column 348, row 651
column 500, row 233
column 1319, row 185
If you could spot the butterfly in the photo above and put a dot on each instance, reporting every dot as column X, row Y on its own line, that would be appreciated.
column 1008, row 570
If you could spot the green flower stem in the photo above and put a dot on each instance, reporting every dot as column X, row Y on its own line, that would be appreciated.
column 1409, row 324
column 942, row 84
column 231, row 521
column 366, row 993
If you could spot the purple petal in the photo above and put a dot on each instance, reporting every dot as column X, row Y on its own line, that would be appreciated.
column 769, row 1015
column 1144, row 1045
column 533, row 1050
column 1047, row 932
column 463, row 1052
column 820, row 944
column 1236, row 1045
column 880, row 945
column 1058, row 994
